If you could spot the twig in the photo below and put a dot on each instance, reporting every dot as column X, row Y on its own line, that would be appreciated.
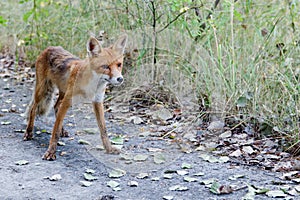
column 173, row 20
column 202, row 27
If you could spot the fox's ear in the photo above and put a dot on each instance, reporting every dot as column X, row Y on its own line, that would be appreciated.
column 93, row 47
column 120, row 44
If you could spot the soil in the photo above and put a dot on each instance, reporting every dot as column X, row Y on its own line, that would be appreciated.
column 30, row 181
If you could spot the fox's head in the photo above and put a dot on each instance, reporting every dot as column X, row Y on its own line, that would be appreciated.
column 107, row 62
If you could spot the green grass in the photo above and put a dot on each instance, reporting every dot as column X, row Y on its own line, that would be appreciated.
column 235, row 68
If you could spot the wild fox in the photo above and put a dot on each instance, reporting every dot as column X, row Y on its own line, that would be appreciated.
column 56, row 67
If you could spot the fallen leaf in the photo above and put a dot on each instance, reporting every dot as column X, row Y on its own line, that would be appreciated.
column 162, row 114
column 155, row 179
column 236, row 153
column 178, row 188
column 117, row 189
column 133, row 183
column 297, row 188
column 189, row 179
column 182, row 172
column 60, row 143
column 117, row 146
column 125, row 157
column 136, row 120
column 86, row 183
column 116, row 173
column 117, row 140
column 296, row 180
column 154, row 149
column 289, row 175
column 235, row 177
column 89, row 177
column 90, row 171
column 211, row 146
column 113, row 184
column 276, row 194
column 22, row 162
column 217, row 188
column 215, row 125
column 241, row 102
column 140, row 157
column 293, row 192
column 159, row 158
column 142, row 175
column 223, row 159
column 192, row 137
column 168, row 197
column 168, row 176
column 209, row 158
column 91, row 130
column 248, row 149
column 6, row 122
column 208, row 182
column 5, row 110
column 199, row 174
column 226, row 134
column 186, row 166
column 55, row 177
column 84, row 142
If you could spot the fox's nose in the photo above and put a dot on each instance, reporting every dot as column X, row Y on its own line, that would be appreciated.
column 120, row 79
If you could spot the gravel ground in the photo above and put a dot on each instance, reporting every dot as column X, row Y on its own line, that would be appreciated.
column 29, row 181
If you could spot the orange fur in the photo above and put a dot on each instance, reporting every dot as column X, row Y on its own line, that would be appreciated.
column 75, row 79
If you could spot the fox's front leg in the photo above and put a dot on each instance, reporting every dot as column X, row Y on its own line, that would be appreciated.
column 99, row 113
column 50, row 153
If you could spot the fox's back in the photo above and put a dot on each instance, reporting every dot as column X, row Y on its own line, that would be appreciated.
column 59, row 59
column 54, row 63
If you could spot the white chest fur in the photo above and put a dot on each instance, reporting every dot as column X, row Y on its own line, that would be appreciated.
column 94, row 90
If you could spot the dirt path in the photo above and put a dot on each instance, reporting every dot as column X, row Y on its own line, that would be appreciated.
column 148, row 179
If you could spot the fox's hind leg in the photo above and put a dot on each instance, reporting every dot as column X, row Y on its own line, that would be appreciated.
column 61, row 95
column 39, row 104
column 30, row 123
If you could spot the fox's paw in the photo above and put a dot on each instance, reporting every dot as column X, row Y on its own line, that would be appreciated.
column 27, row 136
column 49, row 156
column 64, row 133
column 113, row 150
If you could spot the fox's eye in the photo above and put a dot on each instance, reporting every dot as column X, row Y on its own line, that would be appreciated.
column 105, row 66
column 119, row 64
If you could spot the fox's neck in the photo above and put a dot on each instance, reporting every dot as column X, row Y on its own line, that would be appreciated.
column 86, row 70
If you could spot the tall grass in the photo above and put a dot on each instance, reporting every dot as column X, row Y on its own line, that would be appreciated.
column 245, row 63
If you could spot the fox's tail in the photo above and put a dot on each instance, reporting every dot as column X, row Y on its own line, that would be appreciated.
column 42, row 97
column 46, row 97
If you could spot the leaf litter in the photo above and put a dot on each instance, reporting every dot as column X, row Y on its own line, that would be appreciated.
column 244, row 150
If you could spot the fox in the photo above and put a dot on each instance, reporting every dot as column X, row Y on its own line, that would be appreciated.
column 75, row 78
